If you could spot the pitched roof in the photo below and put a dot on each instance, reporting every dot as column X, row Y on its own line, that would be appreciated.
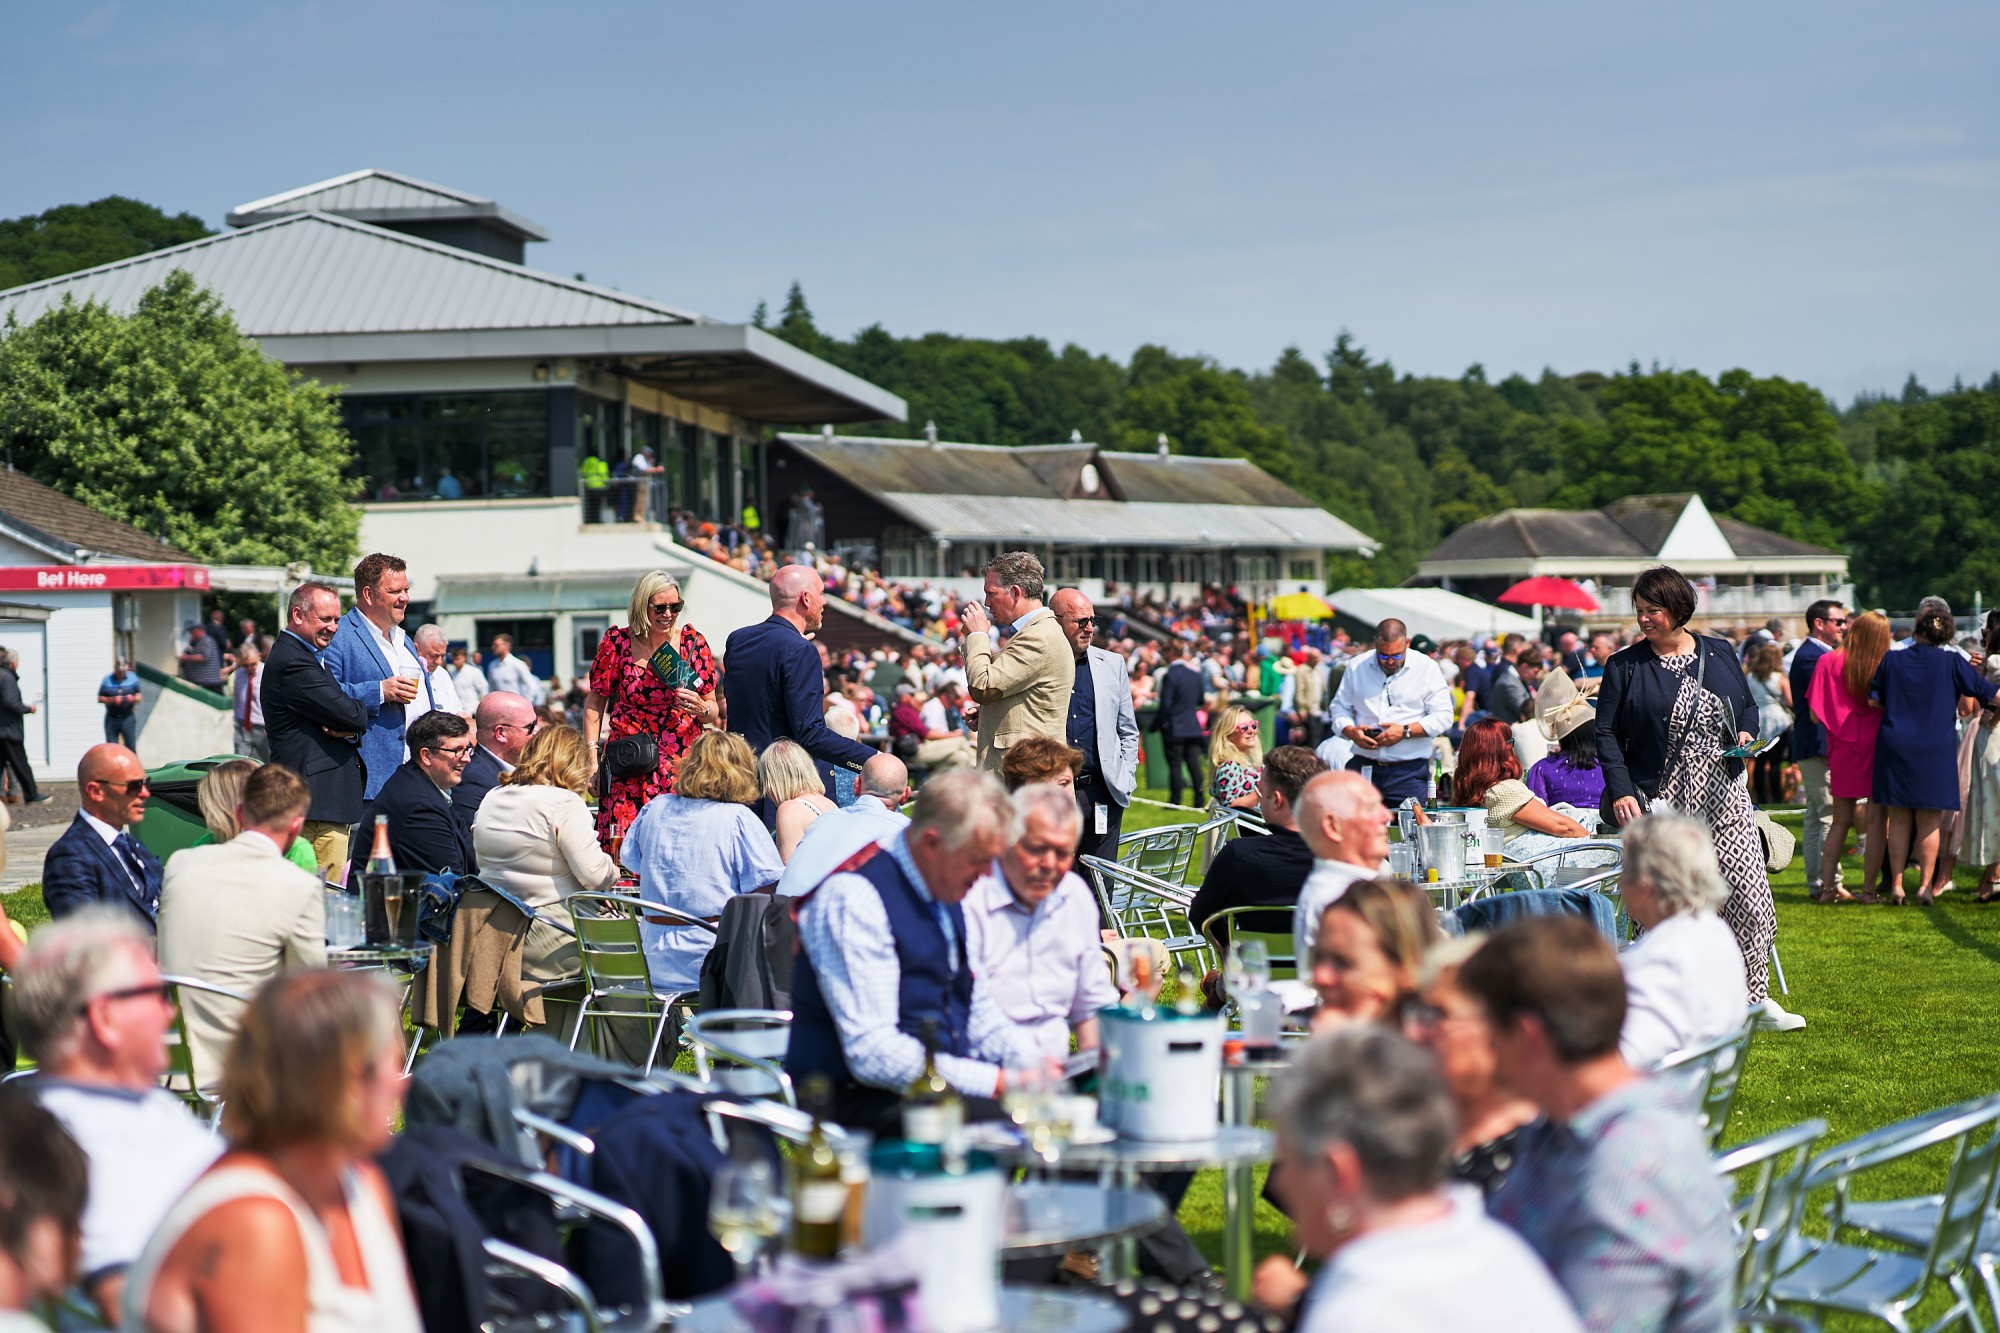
column 1649, row 518
column 373, row 195
column 1635, row 528
column 46, row 517
column 1186, row 479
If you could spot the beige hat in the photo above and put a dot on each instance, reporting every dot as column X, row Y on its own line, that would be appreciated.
column 1561, row 707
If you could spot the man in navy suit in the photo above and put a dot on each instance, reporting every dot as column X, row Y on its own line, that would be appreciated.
column 772, row 679
column 1826, row 626
column 424, row 830
column 97, row 860
column 505, row 721
column 310, row 723
column 1179, row 723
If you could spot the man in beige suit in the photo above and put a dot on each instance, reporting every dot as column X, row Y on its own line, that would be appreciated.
column 237, row 913
column 1023, row 689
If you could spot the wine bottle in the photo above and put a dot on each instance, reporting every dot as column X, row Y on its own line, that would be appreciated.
column 819, row 1193
column 1187, row 994
column 380, row 860
column 932, row 1111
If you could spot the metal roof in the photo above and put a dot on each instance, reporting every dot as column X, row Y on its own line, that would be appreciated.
column 1124, row 523
column 374, row 195
column 1628, row 529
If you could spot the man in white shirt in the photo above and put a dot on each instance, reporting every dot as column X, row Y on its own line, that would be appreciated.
column 468, row 679
column 508, row 672
column 90, row 1008
column 1346, row 827
column 1390, row 704
column 874, row 816
column 436, row 691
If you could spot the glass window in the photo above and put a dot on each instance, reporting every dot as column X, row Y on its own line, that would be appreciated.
column 673, row 461
column 708, row 494
column 448, row 446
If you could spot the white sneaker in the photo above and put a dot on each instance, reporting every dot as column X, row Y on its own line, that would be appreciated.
column 1771, row 1017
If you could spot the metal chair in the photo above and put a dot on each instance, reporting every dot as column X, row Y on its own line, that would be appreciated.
column 1767, row 1214
column 1910, row 1221
column 1885, row 1284
column 1144, row 905
column 617, row 982
column 180, row 1054
column 1711, row 1073
column 752, row 1043
column 1222, row 935
column 1164, row 853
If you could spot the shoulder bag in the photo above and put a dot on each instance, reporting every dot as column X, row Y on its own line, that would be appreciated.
column 1606, row 816
column 628, row 756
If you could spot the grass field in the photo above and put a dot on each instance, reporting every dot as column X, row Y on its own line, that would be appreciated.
column 1897, row 1021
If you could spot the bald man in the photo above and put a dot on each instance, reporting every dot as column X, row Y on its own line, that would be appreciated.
column 505, row 721
column 1346, row 827
column 1102, row 724
column 97, row 861
column 773, row 683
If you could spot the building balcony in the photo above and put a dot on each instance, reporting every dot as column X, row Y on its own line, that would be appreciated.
column 1753, row 602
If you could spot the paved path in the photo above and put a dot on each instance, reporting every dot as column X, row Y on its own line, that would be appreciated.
column 25, row 850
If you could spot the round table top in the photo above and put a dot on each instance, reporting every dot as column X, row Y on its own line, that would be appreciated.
column 1036, row 1309
column 1233, row 1145
column 1055, row 1217
column 369, row 956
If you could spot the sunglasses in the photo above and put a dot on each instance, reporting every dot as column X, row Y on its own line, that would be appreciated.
column 136, row 787
column 1246, row 726
column 1837, row 624
column 665, row 610
column 159, row 990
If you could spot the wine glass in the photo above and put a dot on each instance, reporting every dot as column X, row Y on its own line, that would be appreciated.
column 743, row 1212
column 1253, row 960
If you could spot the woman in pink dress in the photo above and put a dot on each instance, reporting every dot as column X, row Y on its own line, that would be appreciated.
column 1839, row 697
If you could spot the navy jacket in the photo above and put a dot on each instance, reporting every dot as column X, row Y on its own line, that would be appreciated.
column 1634, row 707
column 777, row 691
column 482, row 775
column 81, row 871
column 302, row 703
column 1180, row 695
column 11, row 708
column 424, row 830
column 1808, row 737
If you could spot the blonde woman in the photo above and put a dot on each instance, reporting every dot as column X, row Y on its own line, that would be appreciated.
column 1236, row 755
column 695, row 848
column 790, row 781
column 628, row 696
column 220, row 794
column 534, row 840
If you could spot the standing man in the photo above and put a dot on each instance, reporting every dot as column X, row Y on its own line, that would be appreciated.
column 1390, row 704
column 468, row 679
column 504, row 721
column 1101, row 724
column 245, row 684
column 1826, row 626
column 425, row 832
column 119, row 693
column 438, row 691
column 774, row 685
column 1309, row 697
column 510, row 673
column 312, row 726
column 1023, row 689
column 1179, row 721
column 201, row 662
column 372, row 659
column 13, row 731
column 1508, row 695
column 97, row 860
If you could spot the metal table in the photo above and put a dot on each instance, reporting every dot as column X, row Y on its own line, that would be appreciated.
column 1055, row 1217
column 363, row 956
column 1036, row 1309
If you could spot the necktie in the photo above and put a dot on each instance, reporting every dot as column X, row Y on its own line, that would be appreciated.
column 128, row 852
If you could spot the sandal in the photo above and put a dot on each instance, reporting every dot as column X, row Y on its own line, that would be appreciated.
column 1925, row 897
column 1837, row 894
column 1897, row 897
column 1988, row 893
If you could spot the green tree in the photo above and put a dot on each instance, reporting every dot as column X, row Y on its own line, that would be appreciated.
column 795, row 323
column 1936, row 531
column 79, row 236
column 171, row 419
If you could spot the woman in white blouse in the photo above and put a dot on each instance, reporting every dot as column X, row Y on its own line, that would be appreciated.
column 1684, row 982
column 536, row 841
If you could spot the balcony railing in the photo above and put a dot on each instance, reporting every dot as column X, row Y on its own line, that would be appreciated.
column 1758, row 599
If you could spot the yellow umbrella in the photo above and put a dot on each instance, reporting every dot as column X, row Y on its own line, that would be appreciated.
column 1300, row 606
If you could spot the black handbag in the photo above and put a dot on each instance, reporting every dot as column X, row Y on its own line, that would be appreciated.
column 628, row 756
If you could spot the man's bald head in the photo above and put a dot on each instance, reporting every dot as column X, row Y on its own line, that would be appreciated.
column 505, row 722
column 1391, row 631
column 1077, row 617
column 1342, row 818
column 110, row 784
column 885, row 777
column 798, row 595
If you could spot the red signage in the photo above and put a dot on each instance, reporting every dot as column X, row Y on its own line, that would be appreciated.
column 101, row 578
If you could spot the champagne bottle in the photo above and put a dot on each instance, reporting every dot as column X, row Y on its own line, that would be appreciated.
column 380, row 861
column 819, row 1193
column 1187, row 996
column 932, row 1111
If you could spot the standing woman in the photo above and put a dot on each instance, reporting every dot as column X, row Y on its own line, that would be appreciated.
column 1839, row 698
column 1981, row 843
column 1772, row 694
column 1916, row 769
column 627, row 697
column 1668, row 707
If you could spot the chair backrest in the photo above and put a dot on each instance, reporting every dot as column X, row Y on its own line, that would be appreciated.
column 608, row 939
column 1768, row 1212
column 1164, row 853
column 1496, row 910
column 1224, row 933
column 751, row 1042
column 1711, row 1073
column 180, row 1052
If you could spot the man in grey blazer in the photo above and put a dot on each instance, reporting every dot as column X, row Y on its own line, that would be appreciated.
column 1101, row 724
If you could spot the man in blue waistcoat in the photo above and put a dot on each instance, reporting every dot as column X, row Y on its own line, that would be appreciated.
column 883, row 954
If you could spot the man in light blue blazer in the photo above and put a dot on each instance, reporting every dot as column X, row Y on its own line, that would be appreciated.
column 376, row 664
column 1101, row 724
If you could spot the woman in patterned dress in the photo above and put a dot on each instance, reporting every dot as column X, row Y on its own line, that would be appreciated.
column 627, row 698
column 1660, row 735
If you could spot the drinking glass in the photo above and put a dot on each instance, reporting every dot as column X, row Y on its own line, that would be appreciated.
column 343, row 920
column 1495, row 846
column 743, row 1212
column 1255, row 961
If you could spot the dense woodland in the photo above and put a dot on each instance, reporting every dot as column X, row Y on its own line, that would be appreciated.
column 1900, row 482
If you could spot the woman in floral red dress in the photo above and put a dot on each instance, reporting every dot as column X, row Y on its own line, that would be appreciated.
column 628, row 698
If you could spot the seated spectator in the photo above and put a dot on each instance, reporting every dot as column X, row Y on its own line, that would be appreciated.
column 1490, row 1114
column 842, row 721
column 43, row 1183
column 537, row 842
column 1613, row 1187
column 503, row 723
column 1364, row 1138
column 97, row 860
column 294, row 1228
column 90, row 1009
column 1039, row 759
column 1268, row 871
column 875, row 816
column 791, row 782
column 236, row 913
column 1684, row 982
column 945, row 746
column 1571, row 776
column 695, row 848
column 883, row 952
column 218, row 794
column 1346, row 827
column 1489, row 775
column 1235, row 755
column 425, row 833
column 1370, row 944
column 906, row 722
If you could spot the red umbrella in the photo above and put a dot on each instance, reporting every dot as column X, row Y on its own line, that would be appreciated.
column 1562, row 594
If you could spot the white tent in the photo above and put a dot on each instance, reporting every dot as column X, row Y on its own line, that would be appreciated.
column 1433, row 611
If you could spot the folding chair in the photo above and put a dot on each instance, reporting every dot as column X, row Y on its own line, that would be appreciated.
column 1139, row 904
column 1828, row 1273
column 1223, row 934
column 751, row 1046
column 1767, row 1214
column 616, row 981
column 1711, row 1073
column 180, row 1055
column 1163, row 853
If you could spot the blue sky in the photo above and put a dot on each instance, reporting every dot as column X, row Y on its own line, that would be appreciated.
column 1810, row 190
